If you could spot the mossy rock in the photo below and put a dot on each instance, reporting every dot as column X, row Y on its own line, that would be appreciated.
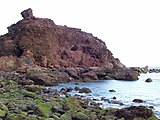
column 49, row 119
column 31, row 117
column 55, row 117
column 92, row 116
column 66, row 117
column 153, row 117
column 43, row 118
column 34, row 88
column 16, row 117
column 2, row 113
column 4, row 107
column 29, row 94
column 73, row 103
column 57, row 114
column 43, row 108
column 10, row 84
column 81, row 116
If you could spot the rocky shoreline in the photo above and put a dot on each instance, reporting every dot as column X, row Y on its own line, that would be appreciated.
column 53, row 76
column 145, row 69
column 35, row 102
column 36, row 53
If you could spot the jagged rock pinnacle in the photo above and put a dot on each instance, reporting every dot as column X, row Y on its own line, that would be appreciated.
column 27, row 14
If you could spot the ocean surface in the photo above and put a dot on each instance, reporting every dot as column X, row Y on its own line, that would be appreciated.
column 126, row 91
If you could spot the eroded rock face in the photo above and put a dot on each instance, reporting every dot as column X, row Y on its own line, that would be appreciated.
column 40, row 42
column 55, row 46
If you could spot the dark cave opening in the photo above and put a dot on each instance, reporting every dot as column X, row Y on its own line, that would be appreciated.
column 18, row 51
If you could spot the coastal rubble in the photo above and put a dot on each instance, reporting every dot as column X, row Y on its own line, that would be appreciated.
column 35, row 102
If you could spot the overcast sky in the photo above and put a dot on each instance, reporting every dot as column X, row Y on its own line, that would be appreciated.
column 130, row 28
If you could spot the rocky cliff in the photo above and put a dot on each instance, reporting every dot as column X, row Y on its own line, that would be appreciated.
column 48, row 54
column 54, row 45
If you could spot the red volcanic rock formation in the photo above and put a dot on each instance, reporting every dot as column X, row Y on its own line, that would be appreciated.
column 55, row 46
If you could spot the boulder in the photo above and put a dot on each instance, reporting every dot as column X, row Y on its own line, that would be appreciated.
column 124, row 74
column 76, row 88
column 44, row 76
column 138, row 100
column 25, row 82
column 90, row 75
column 64, row 90
column 112, row 90
column 114, row 97
column 116, row 102
column 57, row 109
column 43, row 79
column 85, row 90
column 65, row 117
column 134, row 112
column 80, row 116
column 148, row 80
column 72, row 72
column 34, row 88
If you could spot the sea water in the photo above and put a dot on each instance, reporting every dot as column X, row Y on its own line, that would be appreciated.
column 126, row 91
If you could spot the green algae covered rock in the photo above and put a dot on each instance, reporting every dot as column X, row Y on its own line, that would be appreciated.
column 31, row 117
column 55, row 117
column 43, row 108
column 81, row 116
column 29, row 94
column 16, row 117
column 34, row 88
column 65, row 117
column 2, row 113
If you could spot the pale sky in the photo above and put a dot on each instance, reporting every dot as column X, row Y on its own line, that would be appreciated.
column 130, row 28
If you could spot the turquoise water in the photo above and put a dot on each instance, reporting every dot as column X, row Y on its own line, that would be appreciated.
column 126, row 91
